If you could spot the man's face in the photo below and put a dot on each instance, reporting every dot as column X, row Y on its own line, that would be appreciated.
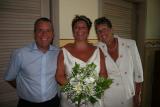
column 43, row 35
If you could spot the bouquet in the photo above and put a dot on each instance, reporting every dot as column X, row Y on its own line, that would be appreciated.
column 85, row 85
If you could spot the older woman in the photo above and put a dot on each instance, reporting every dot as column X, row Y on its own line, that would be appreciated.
column 80, row 52
column 123, row 66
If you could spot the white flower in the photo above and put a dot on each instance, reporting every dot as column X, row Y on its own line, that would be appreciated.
column 78, row 76
column 73, row 81
column 89, row 80
column 78, row 87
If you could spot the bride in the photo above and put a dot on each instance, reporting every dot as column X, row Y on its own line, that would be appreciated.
column 80, row 52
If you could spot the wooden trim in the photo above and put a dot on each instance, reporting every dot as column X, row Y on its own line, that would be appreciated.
column 155, row 43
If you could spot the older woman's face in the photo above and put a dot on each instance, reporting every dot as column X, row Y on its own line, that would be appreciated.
column 80, row 31
column 104, row 33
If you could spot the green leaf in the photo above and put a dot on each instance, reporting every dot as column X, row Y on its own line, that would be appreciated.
column 92, row 99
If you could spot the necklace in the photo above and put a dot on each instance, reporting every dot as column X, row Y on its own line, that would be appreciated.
column 115, row 42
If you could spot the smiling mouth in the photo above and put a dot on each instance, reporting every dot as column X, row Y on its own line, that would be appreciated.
column 44, row 39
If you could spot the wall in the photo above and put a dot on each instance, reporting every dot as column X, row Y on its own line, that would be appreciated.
column 68, row 9
column 151, row 44
column 153, row 16
column 16, row 30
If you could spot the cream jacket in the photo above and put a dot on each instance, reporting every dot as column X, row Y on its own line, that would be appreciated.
column 128, row 67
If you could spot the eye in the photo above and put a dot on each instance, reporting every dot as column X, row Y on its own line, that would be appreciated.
column 43, row 31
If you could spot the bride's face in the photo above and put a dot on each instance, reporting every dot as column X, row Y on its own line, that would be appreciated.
column 80, row 31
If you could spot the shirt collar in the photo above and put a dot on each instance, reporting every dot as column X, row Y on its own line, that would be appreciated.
column 34, row 47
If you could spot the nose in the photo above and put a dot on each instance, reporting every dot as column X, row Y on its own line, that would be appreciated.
column 44, row 32
column 100, row 32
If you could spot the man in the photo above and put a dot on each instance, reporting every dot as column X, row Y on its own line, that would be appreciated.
column 123, row 65
column 32, row 69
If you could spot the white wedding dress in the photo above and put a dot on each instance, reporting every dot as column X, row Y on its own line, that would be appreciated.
column 69, row 61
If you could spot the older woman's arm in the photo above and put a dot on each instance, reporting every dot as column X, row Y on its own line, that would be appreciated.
column 137, row 97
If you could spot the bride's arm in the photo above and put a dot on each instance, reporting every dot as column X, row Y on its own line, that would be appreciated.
column 60, row 73
column 103, row 70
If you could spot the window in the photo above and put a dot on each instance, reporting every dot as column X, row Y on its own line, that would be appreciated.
column 17, row 18
column 122, row 14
